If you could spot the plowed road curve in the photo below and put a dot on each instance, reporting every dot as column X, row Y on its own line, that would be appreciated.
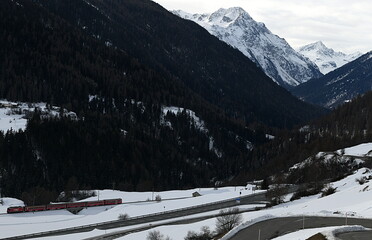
column 367, row 235
column 279, row 226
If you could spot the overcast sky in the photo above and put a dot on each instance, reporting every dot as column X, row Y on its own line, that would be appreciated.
column 344, row 25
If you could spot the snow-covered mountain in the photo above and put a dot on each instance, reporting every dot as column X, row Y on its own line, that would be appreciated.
column 340, row 85
column 326, row 58
column 272, row 53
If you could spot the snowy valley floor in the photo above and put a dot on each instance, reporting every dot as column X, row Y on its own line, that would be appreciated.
column 351, row 198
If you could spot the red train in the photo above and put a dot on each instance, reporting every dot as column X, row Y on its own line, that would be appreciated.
column 64, row 206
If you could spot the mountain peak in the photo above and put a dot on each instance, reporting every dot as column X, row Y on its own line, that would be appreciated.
column 224, row 17
column 317, row 46
column 270, row 52
column 326, row 58
column 236, row 11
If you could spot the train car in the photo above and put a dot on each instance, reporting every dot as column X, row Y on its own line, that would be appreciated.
column 95, row 203
column 113, row 201
column 56, row 206
column 17, row 209
column 20, row 209
column 76, row 205
column 35, row 208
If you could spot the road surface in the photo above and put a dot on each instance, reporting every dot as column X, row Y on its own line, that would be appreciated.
column 366, row 235
column 279, row 226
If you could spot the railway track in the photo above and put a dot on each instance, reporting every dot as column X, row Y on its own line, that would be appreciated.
column 243, row 200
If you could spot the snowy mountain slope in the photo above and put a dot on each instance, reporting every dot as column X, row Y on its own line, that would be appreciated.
column 326, row 58
column 361, row 150
column 275, row 56
column 352, row 156
column 340, row 85
column 194, row 121
column 14, row 115
column 350, row 198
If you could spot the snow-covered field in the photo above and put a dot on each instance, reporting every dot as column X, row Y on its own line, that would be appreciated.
column 351, row 198
column 13, row 115
column 9, row 119
column 137, row 204
column 360, row 150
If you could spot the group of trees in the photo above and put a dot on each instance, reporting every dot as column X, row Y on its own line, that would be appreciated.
column 45, row 59
column 130, row 150
column 119, row 138
column 348, row 125
column 226, row 221
column 177, row 48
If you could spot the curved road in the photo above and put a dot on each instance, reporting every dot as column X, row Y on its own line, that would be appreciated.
column 366, row 235
column 280, row 226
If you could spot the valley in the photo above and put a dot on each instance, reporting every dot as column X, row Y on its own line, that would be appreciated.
column 138, row 120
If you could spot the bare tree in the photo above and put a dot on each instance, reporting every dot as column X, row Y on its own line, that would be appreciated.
column 277, row 193
column 328, row 191
column 158, row 198
column 227, row 220
column 156, row 235
column 205, row 234
column 123, row 216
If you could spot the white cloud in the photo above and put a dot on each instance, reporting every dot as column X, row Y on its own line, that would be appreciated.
column 341, row 24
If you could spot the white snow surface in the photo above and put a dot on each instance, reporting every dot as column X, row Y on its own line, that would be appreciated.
column 13, row 114
column 11, row 121
column 272, row 53
column 354, row 155
column 270, row 137
column 136, row 204
column 326, row 58
column 351, row 199
column 360, row 150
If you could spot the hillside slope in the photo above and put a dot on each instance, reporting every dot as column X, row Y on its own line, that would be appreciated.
column 339, row 86
column 273, row 54
column 175, row 47
column 135, row 128
column 348, row 125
